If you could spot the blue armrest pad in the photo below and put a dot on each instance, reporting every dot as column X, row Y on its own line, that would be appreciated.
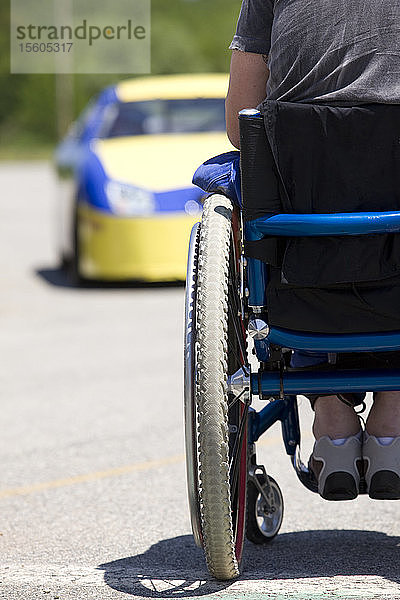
column 221, row 174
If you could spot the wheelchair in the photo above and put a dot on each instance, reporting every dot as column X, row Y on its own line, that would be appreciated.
column 231, row 496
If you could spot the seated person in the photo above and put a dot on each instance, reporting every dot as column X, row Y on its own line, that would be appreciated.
column 287, row 51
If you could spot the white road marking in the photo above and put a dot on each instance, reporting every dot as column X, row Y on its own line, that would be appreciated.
column 259, row 586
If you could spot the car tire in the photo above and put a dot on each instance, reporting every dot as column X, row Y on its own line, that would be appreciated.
column 75, row 276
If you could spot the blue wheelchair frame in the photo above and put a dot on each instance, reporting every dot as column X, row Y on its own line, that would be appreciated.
column 281, row 387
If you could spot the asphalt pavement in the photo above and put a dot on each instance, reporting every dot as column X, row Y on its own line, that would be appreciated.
column 92, row 481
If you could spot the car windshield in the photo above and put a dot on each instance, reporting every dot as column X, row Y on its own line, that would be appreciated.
column 164, row 116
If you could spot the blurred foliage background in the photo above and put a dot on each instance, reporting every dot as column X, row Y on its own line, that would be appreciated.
column 187, row 36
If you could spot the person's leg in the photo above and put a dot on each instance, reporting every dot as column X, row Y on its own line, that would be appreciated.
column 336, row 466
column 336, row 455
column 381, row 447
column 333, row 418
column 337, row 420
column 384, row 416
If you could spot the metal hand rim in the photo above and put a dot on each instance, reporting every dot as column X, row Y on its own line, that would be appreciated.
column 189, row 400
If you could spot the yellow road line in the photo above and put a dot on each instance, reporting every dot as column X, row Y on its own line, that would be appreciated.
column 95, row 476
column 34, row 488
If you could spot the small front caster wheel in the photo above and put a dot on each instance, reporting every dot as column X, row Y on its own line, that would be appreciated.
column 264, row 518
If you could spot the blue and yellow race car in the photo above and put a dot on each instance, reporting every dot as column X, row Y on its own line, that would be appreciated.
column 127, row 202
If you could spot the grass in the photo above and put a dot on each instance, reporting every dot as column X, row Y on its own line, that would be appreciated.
column 25, row 149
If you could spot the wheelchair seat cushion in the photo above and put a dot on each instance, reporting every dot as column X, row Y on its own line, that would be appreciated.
column 220, row 175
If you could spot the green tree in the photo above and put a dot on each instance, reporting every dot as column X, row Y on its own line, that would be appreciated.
column 187, row 36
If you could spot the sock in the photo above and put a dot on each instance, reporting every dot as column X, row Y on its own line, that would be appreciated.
column 385, row 441
column 341, row 441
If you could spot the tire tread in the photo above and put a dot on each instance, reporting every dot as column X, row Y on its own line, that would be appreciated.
column 213, row 435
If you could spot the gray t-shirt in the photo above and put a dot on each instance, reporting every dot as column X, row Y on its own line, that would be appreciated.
column 345, row 51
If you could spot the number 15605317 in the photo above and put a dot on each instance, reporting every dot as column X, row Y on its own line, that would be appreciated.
column 46, row 47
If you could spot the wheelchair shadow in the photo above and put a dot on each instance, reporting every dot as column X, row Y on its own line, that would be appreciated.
column 59, row 277
column 176, row 568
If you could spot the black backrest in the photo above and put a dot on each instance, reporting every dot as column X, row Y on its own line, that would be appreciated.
column 303, row 158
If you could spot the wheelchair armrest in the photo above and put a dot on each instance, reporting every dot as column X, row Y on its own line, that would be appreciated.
column 311, row 225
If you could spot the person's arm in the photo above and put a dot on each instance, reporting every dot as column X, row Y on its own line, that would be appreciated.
column 247, row 88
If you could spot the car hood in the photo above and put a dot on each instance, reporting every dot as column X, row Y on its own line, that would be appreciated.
column 158, row 162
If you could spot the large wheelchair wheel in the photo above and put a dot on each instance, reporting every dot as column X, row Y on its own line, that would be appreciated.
column 216, row 425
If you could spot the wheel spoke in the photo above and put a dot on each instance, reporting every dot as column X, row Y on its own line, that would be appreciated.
column 232, row 349
column 235, row 458
column 239, row 336
column 235, row 400
column 237, row 324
